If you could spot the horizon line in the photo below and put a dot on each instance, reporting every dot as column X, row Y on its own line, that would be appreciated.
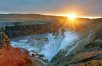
column 90, row 17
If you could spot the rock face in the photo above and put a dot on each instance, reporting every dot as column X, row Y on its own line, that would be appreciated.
column 90, row 63
column 14, row 57
column 4, row 40
column 86, row 56
column 24, row 30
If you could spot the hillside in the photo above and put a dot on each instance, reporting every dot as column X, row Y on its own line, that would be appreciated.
column 27, row 17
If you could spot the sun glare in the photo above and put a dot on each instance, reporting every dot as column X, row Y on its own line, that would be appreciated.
column 71, row 16
column 72, row 21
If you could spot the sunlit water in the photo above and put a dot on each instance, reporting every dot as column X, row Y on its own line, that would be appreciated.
column 49, row 45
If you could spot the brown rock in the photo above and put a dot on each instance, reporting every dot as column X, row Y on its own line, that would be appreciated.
column 85, row 56
column 4, row 40
column 90, row 63
column 94, row 63
column 80, row 64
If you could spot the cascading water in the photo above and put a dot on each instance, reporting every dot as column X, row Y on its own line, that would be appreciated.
column 50, row 47
column 60, row 43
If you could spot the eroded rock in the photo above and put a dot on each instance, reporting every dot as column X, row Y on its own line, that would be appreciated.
column 80, row 57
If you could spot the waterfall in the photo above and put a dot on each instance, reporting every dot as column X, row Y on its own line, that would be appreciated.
column 61, row 42
column 50, row 47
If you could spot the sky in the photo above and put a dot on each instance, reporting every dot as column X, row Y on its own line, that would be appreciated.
column 56, row 7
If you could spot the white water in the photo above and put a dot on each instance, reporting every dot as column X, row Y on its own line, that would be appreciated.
column 48, row 48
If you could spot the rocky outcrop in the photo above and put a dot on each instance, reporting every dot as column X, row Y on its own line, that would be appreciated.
column 4, row 40
column 90, row 63
column 14, row 57
column 82, row 57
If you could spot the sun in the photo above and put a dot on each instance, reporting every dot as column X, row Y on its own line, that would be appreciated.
column 72, row 16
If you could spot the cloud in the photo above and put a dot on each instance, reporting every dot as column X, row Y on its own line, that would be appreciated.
column 85, row 7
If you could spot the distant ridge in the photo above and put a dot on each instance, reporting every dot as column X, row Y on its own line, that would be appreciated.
column 28, row 17
column 32, row 17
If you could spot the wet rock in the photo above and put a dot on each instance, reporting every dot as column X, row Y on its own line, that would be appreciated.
column 24, row 50
column 32, row 54
column 44, row 59
column 36, row 56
